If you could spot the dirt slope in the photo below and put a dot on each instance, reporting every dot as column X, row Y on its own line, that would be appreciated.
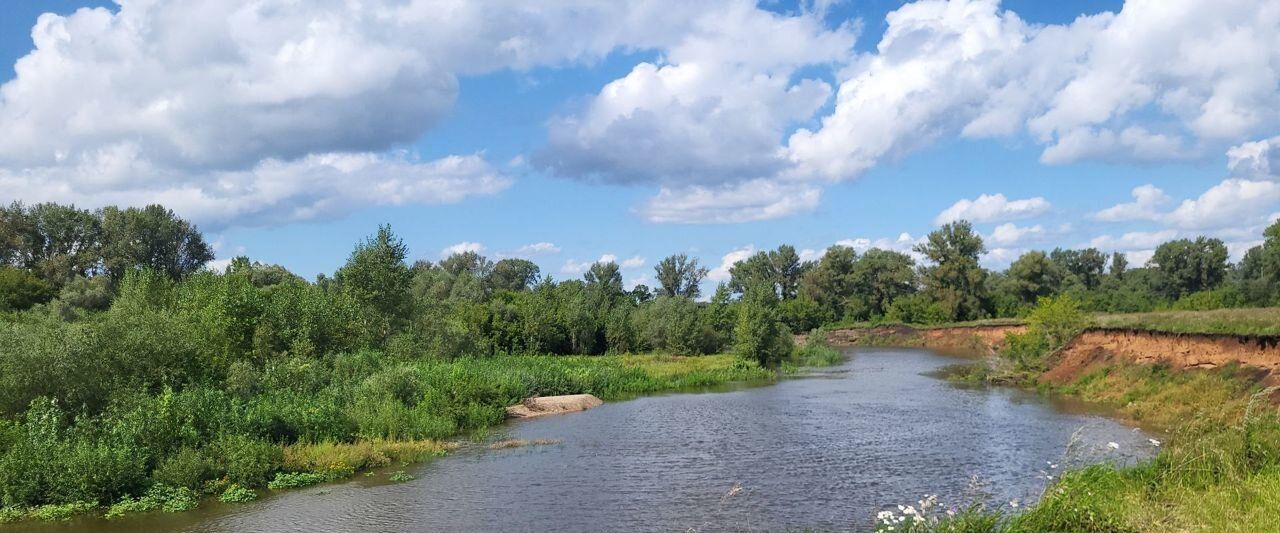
column 1098, row 346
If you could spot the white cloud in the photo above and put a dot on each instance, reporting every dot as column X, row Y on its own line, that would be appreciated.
column 904, row 243
column 992, row 208
column 227, row 110
column 721, row 273
column 1232, row 202
column 532, row 250
column 1255, row 160
column 642, row 279
column 1147, row 201
column 572, row 266
column 462, row 247
column 1009, row 234
column 1134, row 240
column 711, row 111
column 1157, row 81
column 747, row 202
column 632, row 262
column 271, row 192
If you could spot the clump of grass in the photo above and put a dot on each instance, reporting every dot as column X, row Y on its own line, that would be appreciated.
column 400, row 476
column 816, row 351
column 520, row 443
column 337, row 460
column 293, row 480
column 237, row 494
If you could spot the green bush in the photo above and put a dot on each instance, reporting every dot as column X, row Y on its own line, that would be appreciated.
column 237, row 494
column 188, row 468
column 249, row 461
column 293, row 480
column 159, row 497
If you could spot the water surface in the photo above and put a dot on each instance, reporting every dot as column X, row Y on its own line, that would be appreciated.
column 824, row 453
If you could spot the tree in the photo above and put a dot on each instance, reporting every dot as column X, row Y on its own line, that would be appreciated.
column 1086, row 265
column 1035, row 275
column 679, row 275
column 20, row 289
column 759, row 335
column 830, row 282
column 956, row 280
column 1119, row 263
column 470, row 262
column 152, row 237
column 378, row 279
column 1185, row 266
column 513, row 275
column 605, row 277
column 56, row 242
column 881, row 276
column 780, row 268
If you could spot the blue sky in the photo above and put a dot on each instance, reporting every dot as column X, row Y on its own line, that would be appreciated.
column 473, row 128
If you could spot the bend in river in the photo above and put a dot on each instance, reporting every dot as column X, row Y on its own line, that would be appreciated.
column 823, row 453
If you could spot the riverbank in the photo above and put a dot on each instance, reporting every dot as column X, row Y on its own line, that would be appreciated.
column 401, row 412
column 1207, row 382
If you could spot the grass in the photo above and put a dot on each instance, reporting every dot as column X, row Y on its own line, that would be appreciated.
column 1218, row 468
column 1256, row 321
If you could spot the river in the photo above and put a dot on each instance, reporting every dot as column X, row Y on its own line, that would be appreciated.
column 821, row 452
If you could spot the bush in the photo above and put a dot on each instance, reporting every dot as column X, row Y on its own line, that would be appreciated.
column 248, row 461
column 237, row 494
column 20, row 289
column 916, row 309
column 158, row 497
column 293, row 480
column 816, row 351
column 188, row 468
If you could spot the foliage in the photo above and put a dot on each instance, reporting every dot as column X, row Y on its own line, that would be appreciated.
column 760, row 335
column 20, row 289
column 816, row 351
column 237, row 494
column 1054, row 322
column 680, row 275
column 293, row 480
column 400, row 476
column 1186, row 266
column 159, row 497
column 955, row 281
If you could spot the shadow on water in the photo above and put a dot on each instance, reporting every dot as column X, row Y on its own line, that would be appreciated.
column 824, row 453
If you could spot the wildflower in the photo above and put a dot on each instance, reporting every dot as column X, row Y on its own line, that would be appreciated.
column 1014, row 503
column 1154, row 442
column 1113, row 446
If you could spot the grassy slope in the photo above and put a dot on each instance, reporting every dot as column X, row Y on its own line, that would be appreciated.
column 1259, row 321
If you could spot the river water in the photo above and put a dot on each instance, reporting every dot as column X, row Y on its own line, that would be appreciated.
column 823, row 452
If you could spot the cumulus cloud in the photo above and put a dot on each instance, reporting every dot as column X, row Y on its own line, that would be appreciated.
column 1255, row 160
column 992, row 208
column 1134, row 240
column 721, row 272
column 1147, row 201
column 1232, row 202
column 462, row 247
column 1009, row 234
column 533, row 250
column 228, row 109
column 1157, row 81
column 746, row 202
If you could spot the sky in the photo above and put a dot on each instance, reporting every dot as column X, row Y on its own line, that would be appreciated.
column 573, row 131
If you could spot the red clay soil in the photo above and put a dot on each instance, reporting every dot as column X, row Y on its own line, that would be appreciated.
column 1097, row 347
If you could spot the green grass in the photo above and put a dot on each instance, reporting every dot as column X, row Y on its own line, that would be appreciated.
column 1256, row 321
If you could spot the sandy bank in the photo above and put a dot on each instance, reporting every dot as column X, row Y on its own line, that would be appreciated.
column 1106, row 346
column 551, row 405
column 977, row 339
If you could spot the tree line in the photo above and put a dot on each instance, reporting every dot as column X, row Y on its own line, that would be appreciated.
column 125, row 362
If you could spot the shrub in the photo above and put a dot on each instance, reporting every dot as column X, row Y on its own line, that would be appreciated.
column 293, row 480
column 188, row 468
column 237, row 494
column 400, row 476
column 62, row 511
column 816, row 351
column 158, row 497
column 248, row 461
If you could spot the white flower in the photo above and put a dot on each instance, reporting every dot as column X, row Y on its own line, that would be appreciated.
column 1113, row 446
column 1154, row 442
column 1014, row 503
